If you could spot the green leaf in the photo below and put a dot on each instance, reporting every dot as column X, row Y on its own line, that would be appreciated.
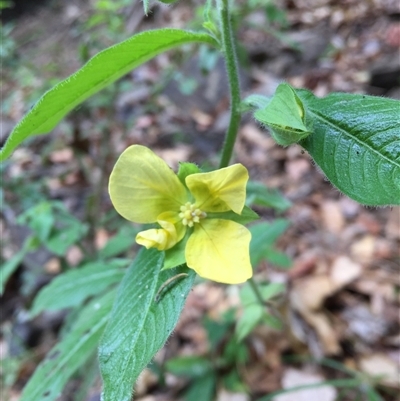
column 56, row 228
column 186, row 169
column 120, row 242
column 204, row 385
column 100, row 71
column 272, row 321
column 251, row 316
column 267, row 292
column 73, row 287
column 9, row 266
column 255, row 102
column 253, row 312
column 216, row 331
column 259, row 194
column 189, row 366
column 247, row 216
column 139, row 326
column 209, row 18
column 372, row 395
column 277, row 258
column 76, row 347
column 356, row 142
column 40, row 219
column 232, row 381
column 263, row 236
column 286, row 116
column 70, row 232
column 176, row 255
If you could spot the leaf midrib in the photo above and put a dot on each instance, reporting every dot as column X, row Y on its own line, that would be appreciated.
column 134, row 357
column 346, row 133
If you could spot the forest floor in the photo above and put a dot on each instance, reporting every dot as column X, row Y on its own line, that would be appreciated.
column 340, row 308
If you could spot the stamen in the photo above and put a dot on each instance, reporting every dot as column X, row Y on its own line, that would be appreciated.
column 190, row 214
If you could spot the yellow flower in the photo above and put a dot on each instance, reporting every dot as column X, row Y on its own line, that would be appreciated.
column 143, row 189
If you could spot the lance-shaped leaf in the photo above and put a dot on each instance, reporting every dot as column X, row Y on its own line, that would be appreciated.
column 148, row 305
column 74, row 349
column 73, row 287
column 100, row 71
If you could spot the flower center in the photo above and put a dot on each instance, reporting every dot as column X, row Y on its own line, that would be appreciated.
column 190, row 214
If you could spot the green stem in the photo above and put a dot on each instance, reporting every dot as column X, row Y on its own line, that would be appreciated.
column 256, row 291
column 229, row 49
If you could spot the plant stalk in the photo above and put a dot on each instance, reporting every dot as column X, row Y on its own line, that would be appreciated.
column 256, row 291
column 229, row 49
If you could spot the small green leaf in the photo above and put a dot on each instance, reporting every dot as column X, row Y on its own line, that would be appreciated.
column 255, row 102
column 73, row 287
column 267, row 292
column 120, row 242
column 259, row 194
column 263, row 236
column 9, row 267
column 233, row 381
column 176, row 256
column 100, row 71
column 286, row 116
column 272, row 321
column 209, row 18
column 44, row 220
column 139, row 326
column 56, row 228
column 250, row 318
column 204, row 385
column 70, row 232
column 277, row 258
column 186, row 169
column 39, row 218
column 189, row 366
column 372, row 395
column 253, row 312
column 216, row 331
column 74, row 349
column 247, row 216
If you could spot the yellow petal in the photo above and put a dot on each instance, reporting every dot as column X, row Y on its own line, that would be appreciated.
column 172, row 223
column 171, row 232
column 142, row 186
column 219, row 250
column 220, row 190
column 153, row 238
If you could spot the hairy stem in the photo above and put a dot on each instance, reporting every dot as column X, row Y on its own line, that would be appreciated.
column 229, row 48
